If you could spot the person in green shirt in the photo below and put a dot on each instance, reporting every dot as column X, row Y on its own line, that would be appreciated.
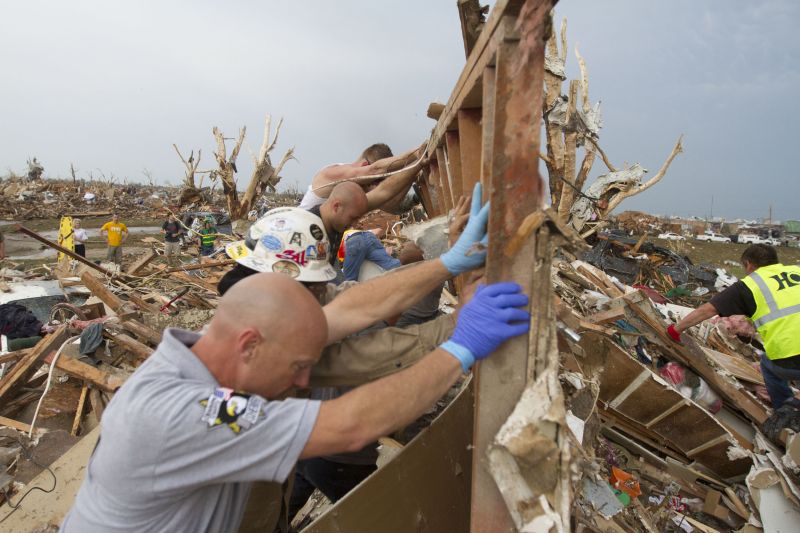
column 208, row 238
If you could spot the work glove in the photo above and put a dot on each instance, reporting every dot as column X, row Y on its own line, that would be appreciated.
column 489, row 319
column 469, row 251
column 673, row 333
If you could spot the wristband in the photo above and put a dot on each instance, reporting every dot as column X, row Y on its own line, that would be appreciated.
column 461, row 353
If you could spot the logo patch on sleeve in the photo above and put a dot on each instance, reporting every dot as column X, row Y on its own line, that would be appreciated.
column 236, row 410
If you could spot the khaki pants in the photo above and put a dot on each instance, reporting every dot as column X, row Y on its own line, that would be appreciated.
column 172, row 250
column 114, row 254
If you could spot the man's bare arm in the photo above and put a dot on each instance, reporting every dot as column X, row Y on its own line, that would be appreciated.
column 327, row 178
column 382, row 297
column 703, row 312
column 393, row 186
column 359, row 417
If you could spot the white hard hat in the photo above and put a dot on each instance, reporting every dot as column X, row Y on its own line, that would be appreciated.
column 288, row 240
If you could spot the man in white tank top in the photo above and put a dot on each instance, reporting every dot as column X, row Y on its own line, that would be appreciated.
column 375, row 160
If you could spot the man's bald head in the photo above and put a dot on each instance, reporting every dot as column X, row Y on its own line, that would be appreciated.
column 266, row 334
column 346, row 204
column 270, row 302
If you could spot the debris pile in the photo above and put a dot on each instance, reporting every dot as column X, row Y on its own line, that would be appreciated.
column 671, row 435
column 23, row 199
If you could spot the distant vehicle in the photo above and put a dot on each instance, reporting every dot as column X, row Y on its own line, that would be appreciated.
column 670, row 236
column 710, row 236
column 749, row 238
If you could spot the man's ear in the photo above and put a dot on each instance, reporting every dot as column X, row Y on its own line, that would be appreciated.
column 247, row 342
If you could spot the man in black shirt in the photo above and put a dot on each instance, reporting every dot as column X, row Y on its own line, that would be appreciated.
column 738, row 299
column 172, row 239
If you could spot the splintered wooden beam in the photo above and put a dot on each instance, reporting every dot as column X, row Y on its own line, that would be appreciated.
column 142, row 262
column 510, row 136
column 28, row 365
column 72, row 255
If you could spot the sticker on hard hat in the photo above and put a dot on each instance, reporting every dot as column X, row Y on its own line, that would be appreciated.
column 237, row 250
column 286, row 267
column 311, row 252
column 279, row 224
column 297, row 239
column 316, row 232
column 291, row 255
column 322, row 250
column 272, row 242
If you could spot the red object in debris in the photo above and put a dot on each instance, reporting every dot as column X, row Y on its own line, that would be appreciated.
column 651, row 293
column 625, row 482
column 675, row 373
column 673, row 333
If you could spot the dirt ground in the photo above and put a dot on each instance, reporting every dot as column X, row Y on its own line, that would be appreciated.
column 716, row 253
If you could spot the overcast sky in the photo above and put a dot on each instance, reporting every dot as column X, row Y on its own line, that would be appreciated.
column 110, row 86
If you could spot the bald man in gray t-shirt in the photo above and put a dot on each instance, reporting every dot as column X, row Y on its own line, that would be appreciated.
column 178, row 452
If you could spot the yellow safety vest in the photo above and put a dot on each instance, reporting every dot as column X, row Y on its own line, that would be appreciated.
column 776, row 290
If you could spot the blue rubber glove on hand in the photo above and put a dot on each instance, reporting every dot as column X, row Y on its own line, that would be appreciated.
column 469, row 251
column 489, row 319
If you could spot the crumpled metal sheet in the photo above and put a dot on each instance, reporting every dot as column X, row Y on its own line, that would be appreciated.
column 679, row 268
column 583, row 210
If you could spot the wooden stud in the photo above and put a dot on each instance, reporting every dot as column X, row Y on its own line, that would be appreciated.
column 444, row 178
column 470, row 141
column 27, row 366
column 76, row 423
column 454, row 165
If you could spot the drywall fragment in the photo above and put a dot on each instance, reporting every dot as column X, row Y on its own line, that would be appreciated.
column 602, row 498
column 576, row 425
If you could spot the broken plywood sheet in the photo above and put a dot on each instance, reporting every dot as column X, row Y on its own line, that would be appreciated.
column 736, row 366
column 630, row 389
column 40, row 508
column 426, row 487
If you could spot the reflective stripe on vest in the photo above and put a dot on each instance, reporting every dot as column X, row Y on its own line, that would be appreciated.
column 777, row 315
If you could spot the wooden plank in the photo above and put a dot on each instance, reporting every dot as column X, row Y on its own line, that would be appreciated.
column 142, row 262
column 104, row 380
column 13, row 356
column 736, row 366
column 142, row 331
column 26, row 367
column 15, row 424
column 454, row 165
column 76, row 423
column 97, row 403
column 444, row 178
column 421, row 489
column 137, row 349
column 200, row 266
column 609, row 315
column 140, row 302
column 481, row 57
column 32, row 234
column 470, row 143
column 487, row 132
column 98, row 288
column 516, row 190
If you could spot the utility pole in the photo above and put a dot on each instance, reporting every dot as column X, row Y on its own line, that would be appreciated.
column 770, row 215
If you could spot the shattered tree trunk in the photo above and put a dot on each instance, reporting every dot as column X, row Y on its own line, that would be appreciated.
column 227, row 168
column 265, row 176
column 569, row 125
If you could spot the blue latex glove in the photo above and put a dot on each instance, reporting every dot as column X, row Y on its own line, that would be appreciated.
column 469, row 251
column 489, row 319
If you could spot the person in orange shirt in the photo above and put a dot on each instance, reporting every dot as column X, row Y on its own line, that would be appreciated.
column 115, row 233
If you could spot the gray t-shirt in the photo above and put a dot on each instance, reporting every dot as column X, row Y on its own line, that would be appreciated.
column 178, row 453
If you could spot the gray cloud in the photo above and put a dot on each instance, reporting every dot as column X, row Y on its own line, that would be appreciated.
column 113, row 85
